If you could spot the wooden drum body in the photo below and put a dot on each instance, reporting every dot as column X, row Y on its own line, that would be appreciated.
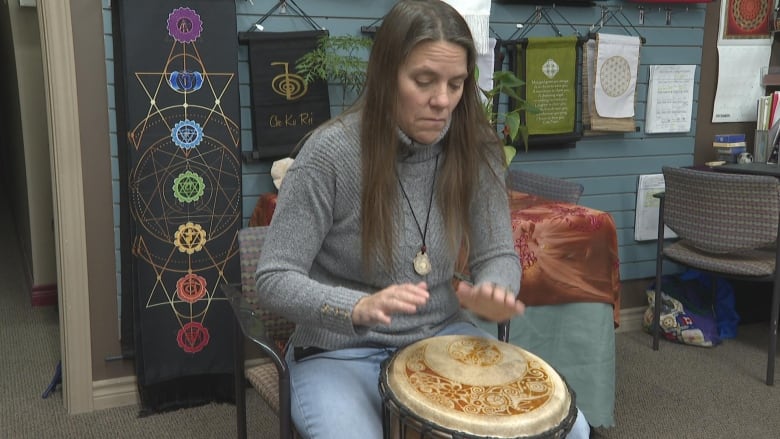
column 472, row 387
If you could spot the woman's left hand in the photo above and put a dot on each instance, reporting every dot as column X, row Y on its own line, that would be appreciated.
column 489, row 301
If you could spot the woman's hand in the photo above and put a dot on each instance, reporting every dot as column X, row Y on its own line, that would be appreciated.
column 377, row 309
column 489, row 301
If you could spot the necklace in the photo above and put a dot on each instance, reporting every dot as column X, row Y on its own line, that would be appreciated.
column 422, row 263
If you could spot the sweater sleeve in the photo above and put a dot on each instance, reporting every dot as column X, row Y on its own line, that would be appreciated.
column 492, row 257
column 301, row 222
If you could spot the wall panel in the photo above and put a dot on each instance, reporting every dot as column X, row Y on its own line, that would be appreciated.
column 608, row 166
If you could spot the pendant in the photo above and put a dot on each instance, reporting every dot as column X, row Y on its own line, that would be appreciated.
column 422, row 264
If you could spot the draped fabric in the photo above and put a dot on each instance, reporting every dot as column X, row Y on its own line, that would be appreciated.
column 284, row 107
column 178, row 113
column 568, row 252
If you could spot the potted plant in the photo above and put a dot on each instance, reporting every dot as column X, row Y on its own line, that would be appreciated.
column 342, row 60
column 507, row 83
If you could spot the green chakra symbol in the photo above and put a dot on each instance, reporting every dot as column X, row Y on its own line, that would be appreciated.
column 188, row 187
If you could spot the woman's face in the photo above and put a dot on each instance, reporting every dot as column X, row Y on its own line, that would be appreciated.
column 430, row 85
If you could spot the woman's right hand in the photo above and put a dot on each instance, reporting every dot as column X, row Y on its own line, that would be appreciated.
column 378, row 308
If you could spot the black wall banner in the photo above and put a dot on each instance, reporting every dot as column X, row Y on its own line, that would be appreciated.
column 284, row 107
column 178, row 113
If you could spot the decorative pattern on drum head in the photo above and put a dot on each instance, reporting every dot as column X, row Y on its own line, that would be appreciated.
column 518, row 396
column 475, row 352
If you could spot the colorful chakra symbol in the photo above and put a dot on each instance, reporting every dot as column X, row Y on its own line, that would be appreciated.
column 193, row 337
column 187, row 134
column 185, row 81
column 184, row 25
column 191, row 287
column 188, row 187
column 190, row 238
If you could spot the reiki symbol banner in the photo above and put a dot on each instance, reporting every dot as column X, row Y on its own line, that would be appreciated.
column 284, row 107
column 178, row 112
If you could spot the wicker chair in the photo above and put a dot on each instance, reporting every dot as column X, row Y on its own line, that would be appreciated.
column 269, row 332
column 551, row 188
column 727, row 225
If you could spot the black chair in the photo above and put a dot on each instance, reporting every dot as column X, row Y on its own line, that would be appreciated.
column 267, row 331
column 726, row 225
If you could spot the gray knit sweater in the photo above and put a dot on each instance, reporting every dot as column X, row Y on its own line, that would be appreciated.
column 310, row 268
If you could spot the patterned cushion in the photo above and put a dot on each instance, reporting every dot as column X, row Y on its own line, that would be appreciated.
column 265, row 380
column 759, row 262
column 250, row 242
column 551, row 188
column 721, row 213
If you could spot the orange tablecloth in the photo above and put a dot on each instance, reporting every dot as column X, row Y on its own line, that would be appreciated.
column 569, row 252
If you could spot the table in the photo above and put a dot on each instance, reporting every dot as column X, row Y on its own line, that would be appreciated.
column 569, row 252
column 753, row 168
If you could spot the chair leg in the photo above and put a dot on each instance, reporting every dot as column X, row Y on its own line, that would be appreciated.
column 770, row 365
column 285, row 415
column 659, row 261
column 238, row 380
column 657, row 313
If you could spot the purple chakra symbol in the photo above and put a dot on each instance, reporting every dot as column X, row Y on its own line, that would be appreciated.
column 184, row 25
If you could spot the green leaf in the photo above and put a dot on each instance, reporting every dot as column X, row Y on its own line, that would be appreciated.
column 509, row 152
column 512, row 122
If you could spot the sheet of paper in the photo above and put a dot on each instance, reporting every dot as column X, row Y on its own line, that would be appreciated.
column 647, row 207
column 744, row 48
column 670, row 99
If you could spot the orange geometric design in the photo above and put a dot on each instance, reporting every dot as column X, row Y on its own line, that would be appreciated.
column 191, row 287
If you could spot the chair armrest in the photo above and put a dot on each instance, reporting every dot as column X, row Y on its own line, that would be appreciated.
column 252, row 326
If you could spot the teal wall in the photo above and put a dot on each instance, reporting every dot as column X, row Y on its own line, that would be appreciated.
column 606, row 165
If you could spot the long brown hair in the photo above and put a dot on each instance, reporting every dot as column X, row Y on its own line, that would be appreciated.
column 471, row 140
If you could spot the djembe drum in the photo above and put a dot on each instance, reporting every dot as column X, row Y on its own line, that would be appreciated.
column 472, row 387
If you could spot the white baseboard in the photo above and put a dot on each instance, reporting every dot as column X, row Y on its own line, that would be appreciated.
column 631, row 319
column 120, row 392
column 115, row 392
column 123, row 391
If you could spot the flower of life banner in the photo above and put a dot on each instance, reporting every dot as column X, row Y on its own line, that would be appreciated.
column 177, row 103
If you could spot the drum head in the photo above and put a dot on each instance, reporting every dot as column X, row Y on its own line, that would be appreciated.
column 479, row 386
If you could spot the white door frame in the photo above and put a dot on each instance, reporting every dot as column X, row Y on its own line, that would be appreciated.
column 56, row 28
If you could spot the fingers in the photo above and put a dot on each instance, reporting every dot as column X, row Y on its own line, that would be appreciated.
column 489, row 301
column 379, row 307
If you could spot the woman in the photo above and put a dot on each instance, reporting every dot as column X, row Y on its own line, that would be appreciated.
column 372, row 215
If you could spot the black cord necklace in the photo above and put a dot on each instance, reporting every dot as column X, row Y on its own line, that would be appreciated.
column 422, row 263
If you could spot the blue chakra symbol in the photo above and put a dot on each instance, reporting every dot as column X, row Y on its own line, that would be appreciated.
column 187, row 134
column 185, row 81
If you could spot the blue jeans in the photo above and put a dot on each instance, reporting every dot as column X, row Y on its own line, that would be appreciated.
column 335, row 394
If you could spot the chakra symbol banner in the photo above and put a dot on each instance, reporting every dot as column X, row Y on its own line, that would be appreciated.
column 178, row 130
